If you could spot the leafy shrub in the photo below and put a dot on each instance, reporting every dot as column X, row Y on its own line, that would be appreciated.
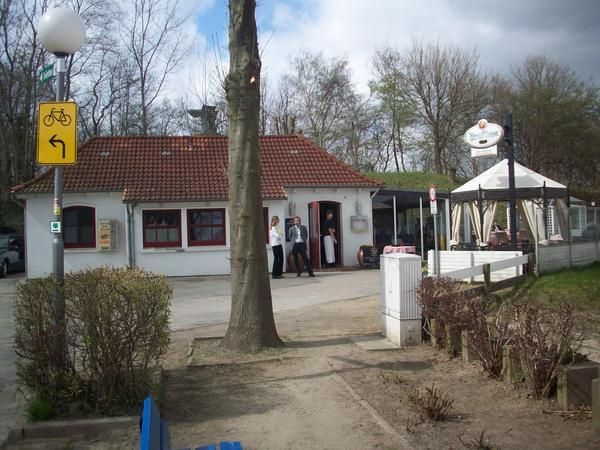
column 38, row 410
column 544, row 339
column 117, row 327
column 431, row 402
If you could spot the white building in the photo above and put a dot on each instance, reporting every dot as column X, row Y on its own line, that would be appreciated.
column 160, row 203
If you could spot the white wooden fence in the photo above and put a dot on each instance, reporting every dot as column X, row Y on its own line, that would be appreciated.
column 455, row 260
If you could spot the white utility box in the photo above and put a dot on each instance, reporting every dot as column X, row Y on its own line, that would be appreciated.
column 400, row 310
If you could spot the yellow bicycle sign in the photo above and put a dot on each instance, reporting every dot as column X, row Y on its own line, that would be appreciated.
column 57, row 133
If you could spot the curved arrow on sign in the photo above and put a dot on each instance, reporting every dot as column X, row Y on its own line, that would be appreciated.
column 53, row 141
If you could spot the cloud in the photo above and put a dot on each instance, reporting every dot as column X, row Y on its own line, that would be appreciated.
column 503, row 34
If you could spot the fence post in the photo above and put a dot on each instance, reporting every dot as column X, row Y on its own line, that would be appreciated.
column 570, row 237
column 531, row 263
column 486, row 278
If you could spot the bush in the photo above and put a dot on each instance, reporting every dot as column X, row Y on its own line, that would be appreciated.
column 488, row 338
column 544, row 339
column 431, row 402
column 453, row 308
column 117, row 327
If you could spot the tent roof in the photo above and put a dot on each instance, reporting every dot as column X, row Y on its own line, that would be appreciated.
column 494, row 184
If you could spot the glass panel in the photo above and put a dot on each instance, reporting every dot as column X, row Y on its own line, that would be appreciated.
column 150, row 218
column 172, row 218
column 70, row 235
column 87, row 235
column 150, row 235
column 194, row 233
column 205, row 234
column 162, row 234
column 70, row 217
column 173, row 234
column 217, row 233
column 217, row 217
column 205, row 217
column 194, row 217
column 86, row 216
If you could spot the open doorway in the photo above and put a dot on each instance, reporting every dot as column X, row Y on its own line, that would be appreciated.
column 317, row 213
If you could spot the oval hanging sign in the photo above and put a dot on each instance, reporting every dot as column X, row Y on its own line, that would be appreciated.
column 484, row 134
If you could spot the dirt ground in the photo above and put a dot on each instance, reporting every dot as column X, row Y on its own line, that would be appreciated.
column 324, row 391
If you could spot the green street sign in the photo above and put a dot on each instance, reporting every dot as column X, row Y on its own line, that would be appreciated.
column 47, row 73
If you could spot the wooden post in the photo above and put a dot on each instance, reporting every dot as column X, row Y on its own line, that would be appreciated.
column 531, row 257
column 487, row 276
column 596, row 402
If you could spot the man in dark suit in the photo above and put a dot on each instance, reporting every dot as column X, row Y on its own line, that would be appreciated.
column 298, row 236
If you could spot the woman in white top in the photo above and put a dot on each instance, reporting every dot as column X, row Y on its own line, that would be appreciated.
column 275, row 239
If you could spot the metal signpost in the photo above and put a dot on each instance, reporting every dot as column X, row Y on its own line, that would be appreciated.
column 434, row 212
column 62, row 33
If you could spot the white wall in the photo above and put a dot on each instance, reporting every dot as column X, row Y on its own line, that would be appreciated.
column 348, row 198
column 562, row 256
column 38, row 239
column 186, row 260
column 191, row 260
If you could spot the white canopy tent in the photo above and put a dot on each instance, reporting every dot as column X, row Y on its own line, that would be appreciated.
column 482, row 193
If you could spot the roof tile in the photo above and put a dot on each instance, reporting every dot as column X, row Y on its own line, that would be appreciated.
column 183, row 168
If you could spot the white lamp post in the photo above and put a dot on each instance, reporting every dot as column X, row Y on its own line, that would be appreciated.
column 61, row 32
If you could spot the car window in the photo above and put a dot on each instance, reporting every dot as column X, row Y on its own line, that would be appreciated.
column 3, row 241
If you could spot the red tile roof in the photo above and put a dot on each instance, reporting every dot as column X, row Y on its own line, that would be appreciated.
column 194, row 168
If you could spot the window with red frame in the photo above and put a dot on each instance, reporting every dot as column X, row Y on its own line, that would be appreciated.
column 162, row 228
column 79, row 228
column 206, row 226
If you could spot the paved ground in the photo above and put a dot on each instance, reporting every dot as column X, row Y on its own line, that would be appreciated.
column 8, row 404
column 197, row 301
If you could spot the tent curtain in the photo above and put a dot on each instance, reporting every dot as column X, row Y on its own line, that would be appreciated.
column 474, row 215
column 483, row 231
column 457, row 211
column 533, row 215
column 489, row 212
column 563, row 218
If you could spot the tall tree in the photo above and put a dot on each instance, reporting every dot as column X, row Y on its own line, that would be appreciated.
column 399, row 116
column 557, row 121
column 444, row 86
column 251, row 325
column 321, row 90
column 156, row 46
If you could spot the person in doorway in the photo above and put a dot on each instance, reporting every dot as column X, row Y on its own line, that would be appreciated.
column 329, row 239
column 298, row 235
column 275, row 237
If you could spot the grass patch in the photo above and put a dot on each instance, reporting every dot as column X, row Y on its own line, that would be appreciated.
column 579, row 287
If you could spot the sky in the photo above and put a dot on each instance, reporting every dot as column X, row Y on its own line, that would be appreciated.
column 503, row 34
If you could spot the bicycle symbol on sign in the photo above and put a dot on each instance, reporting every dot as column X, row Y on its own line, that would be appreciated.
column 58, row 115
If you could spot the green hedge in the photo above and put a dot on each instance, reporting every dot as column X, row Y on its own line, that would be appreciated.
column 117, row 328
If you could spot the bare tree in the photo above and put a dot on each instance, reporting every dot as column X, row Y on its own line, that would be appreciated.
column 399, row 116
column 251, row 325
column 321, row 90
column 445, row 88
column 20, row 57
column 557, row 121
column 153, row 38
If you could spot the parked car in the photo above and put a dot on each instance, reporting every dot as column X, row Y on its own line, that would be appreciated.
column 12, row 253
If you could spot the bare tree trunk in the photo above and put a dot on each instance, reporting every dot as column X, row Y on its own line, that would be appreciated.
column 251, row 325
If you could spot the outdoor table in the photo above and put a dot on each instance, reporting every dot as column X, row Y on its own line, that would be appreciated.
column 400, row 249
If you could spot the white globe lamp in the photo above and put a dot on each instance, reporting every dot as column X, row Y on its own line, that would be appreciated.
column 61, row 31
